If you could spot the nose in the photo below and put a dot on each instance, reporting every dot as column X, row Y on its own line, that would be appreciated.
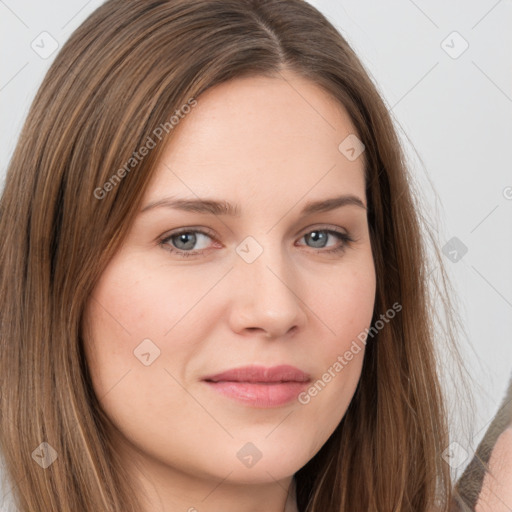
column 266, row 297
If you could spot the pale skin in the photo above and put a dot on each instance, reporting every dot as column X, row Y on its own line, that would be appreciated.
column 496, row 493
column 258, row 143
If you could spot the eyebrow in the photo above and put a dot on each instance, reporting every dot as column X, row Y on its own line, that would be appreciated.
column 219, row 207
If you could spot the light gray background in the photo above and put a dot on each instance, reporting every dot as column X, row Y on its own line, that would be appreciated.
column 454, row 112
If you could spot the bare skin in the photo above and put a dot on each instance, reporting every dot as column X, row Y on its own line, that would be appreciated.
column 496, row 493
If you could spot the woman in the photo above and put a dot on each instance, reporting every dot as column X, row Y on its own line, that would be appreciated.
column 256, row 371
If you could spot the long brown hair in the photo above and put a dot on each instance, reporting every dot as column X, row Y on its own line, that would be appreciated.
column 122, row 74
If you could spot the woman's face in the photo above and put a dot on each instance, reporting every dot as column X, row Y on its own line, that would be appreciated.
column 272, row 285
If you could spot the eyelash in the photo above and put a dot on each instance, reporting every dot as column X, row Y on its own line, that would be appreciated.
column 344, row 237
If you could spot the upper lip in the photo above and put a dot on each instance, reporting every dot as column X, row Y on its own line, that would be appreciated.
column 256, row 373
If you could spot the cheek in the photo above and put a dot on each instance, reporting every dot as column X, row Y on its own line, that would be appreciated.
column 141, row 328
column 344, row 306
column 346, row 303
column 133, row 302
column 127, row 353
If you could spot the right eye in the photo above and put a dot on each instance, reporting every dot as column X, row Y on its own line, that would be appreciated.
column 183, row 242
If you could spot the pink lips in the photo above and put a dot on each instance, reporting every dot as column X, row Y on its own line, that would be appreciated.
column 260, row 386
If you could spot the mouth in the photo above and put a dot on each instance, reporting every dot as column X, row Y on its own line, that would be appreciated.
column 258, row 386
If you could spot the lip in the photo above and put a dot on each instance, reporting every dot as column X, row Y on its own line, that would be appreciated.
column 260, row 386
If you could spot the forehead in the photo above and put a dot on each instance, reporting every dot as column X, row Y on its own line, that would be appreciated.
column 257, row 134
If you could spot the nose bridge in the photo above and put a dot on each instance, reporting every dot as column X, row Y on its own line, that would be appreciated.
column 265, row 298
column 263, row 263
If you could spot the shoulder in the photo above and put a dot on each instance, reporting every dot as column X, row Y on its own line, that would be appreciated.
column 496, row 493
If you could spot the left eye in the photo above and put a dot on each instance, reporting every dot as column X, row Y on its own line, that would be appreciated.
column 184, row 243
column 320, row 236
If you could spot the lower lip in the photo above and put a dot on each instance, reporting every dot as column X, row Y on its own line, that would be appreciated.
column 259, row 394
